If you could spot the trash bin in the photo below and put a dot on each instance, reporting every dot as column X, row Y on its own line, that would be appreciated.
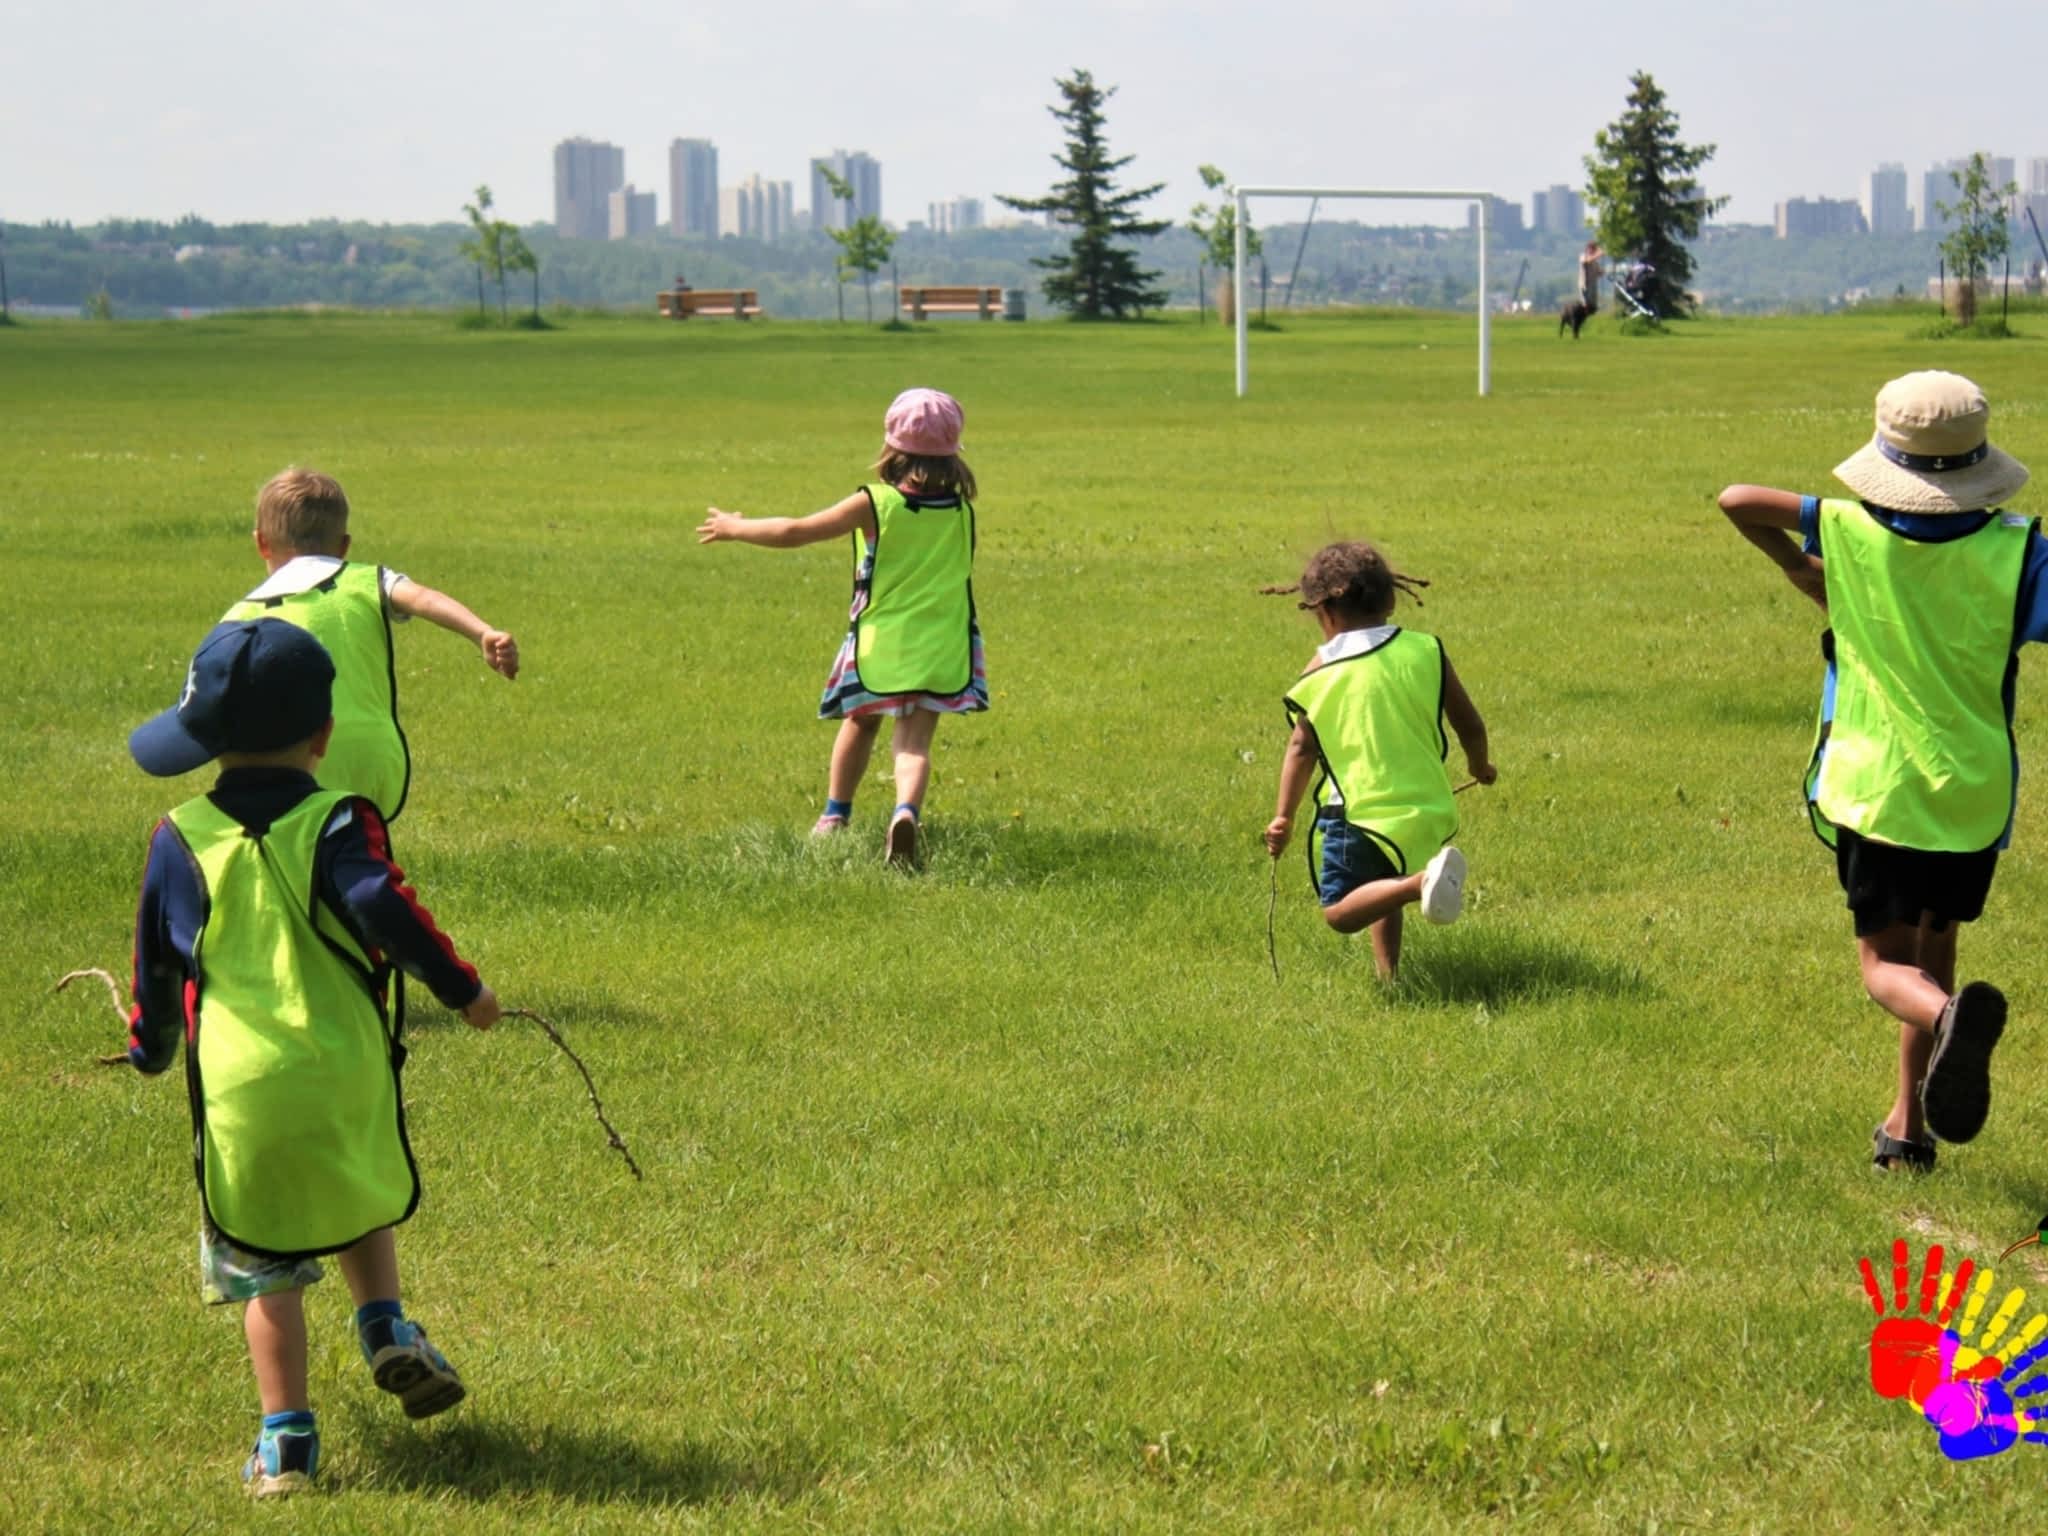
column 1013, row 303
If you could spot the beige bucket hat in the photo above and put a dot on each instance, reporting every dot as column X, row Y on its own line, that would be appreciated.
column 1932, row 451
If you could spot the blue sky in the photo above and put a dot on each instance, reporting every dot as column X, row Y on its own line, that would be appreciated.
column 386, row 110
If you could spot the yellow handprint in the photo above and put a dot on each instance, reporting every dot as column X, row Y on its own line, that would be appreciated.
column 1994, row 1340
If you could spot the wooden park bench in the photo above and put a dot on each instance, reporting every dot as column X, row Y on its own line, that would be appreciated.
column 681, row 303
column 985, row 302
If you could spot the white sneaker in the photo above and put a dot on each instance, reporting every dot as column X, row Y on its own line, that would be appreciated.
column 1443, row 887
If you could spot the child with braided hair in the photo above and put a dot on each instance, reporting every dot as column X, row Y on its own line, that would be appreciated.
column 1368, row 714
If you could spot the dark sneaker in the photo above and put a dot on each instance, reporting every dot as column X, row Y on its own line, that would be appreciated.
column 1957, row 1094
column 283, row 1462
column 416, row 1373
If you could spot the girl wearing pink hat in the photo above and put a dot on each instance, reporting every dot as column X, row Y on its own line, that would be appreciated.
column 913, row 648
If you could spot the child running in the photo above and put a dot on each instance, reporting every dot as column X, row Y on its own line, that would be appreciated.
column 1930, row 591
column 913, row 650
column 1369, row 712
column 303, row 539
column 271, row 920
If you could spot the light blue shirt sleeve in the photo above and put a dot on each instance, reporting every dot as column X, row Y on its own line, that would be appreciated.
column 1809, row 525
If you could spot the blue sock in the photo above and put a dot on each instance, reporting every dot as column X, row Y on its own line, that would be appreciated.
column 839, row 808
column 296, row 1421
column 901, row 807
column 376, row 1323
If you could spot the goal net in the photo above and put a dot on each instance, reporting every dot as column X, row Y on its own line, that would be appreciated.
column 1483, row 201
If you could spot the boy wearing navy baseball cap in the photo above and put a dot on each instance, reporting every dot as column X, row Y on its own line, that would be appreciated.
column 271, row 921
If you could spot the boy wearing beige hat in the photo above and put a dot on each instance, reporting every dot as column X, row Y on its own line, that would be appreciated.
column 1930, row 590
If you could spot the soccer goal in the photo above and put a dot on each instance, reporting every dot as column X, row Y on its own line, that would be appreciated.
column 1245, row 194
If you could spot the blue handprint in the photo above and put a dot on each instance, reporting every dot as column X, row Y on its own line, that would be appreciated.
column 1974, row 1419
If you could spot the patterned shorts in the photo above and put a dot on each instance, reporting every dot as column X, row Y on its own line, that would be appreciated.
column 228, row 1273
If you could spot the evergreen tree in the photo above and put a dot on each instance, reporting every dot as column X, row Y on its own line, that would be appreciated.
column 1648, row 202
column 1095, row 278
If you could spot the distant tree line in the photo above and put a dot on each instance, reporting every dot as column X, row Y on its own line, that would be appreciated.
column 411, row 266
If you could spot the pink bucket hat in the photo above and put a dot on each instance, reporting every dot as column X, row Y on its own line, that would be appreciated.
column 925, row 422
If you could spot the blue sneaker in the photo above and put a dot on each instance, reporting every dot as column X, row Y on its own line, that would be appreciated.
column 283, row 1462
column 415, row 1372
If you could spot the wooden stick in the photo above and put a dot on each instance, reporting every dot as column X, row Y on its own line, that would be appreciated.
column 618, row 1142
column 1464, row 786
column 1272, row 908
column 114, row 995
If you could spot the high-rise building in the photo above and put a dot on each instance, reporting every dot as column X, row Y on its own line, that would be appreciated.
column 693, row 187
column 1558, row 211
column 1884, row 201
column 1503, row 218
column 1938, row 186
column 862, row 172
column 757, row 209
column 955, row 215
column 631, row 213
column 1803, row 217
column 2001, row 168
column 2034, row 197
column 586, row 175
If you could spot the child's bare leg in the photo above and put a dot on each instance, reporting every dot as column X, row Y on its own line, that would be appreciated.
column 850, row 750
column 275, row 1326
column 1386, row 944
column 1896, row 977
column 1366, row 905
column 912, row 744
column 371, row 1267
column 1935, row 953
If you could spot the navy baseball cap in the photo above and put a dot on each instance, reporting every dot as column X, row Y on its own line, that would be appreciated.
column 254, row 685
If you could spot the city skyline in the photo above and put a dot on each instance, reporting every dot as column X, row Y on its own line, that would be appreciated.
column 159, row 125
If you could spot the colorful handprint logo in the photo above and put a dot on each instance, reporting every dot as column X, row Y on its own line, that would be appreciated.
column 1981, row 1398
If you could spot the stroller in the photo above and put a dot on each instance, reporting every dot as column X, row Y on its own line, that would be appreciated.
column 1635, row 285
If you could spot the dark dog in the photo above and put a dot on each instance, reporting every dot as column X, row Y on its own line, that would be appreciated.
column 1576, row 313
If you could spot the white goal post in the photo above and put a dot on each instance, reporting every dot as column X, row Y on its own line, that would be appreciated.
column 1481, row 199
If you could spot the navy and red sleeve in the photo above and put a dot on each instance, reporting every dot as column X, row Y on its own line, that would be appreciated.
column 360, row 882
column 167, row 923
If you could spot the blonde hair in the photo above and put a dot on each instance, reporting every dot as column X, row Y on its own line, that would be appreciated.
column 1354, row 579
column 302, row 511
column 935, row 475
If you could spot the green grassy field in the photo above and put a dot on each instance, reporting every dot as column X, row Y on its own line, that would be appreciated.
column 1015, row 1196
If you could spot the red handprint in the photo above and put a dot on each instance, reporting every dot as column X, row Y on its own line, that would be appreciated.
column 1906, row 1357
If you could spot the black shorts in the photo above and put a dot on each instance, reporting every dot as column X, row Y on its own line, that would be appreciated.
column 1887, row 885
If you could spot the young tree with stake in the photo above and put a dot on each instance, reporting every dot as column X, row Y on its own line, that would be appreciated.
column 1980, row 236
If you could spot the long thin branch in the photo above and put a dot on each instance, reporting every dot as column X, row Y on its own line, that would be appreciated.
column 113, row 994
column 618, row 1142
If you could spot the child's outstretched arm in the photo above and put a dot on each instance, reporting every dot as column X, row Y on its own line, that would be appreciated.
column 1464, row 717
column 501, row 651
column 789, row 532
column 1767, row 517
column 1296, row 769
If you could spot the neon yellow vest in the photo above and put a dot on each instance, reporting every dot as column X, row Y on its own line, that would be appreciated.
column 1920, row 754
column 1378, row 719
column 298, row 1131
column 916, row 633
column 346, row 613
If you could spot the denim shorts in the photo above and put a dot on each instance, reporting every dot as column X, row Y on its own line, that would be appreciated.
column 1350, row 858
